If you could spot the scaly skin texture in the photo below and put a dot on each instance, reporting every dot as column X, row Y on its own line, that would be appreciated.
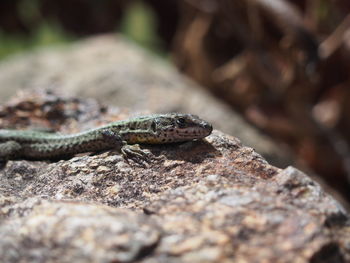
column 152, row 129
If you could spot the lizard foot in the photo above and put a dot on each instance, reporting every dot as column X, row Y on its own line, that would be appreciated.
column 135, row 153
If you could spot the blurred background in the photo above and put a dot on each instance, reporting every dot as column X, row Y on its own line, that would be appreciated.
column 282, row 65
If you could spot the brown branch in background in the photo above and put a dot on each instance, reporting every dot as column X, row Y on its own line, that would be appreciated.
column 333, row 42
column 260, row 57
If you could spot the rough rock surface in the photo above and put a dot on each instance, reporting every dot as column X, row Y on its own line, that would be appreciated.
column 116, row 72
column 213, row 200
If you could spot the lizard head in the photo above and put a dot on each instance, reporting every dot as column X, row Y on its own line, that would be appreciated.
column 177, row 127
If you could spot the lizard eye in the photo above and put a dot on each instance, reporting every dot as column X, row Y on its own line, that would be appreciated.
column 154, row 126
column 180, row 122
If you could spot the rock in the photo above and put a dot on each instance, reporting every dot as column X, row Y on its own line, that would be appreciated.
column 116, row 72
column 213, row 200
column 76, row 232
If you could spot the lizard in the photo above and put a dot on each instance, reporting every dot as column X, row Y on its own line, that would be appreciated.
column 124, row 135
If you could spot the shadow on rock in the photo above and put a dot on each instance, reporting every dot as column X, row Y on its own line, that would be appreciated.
column 194, row 151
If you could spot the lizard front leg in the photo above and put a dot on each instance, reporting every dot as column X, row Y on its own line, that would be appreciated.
column 133, row 152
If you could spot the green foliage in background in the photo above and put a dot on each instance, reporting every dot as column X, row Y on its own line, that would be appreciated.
column 46, row 33
column 138, row 24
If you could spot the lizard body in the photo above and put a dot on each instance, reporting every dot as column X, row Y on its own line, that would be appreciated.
column 151, row 129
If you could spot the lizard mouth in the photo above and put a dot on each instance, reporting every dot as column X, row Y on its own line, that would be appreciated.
column 192, row 133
